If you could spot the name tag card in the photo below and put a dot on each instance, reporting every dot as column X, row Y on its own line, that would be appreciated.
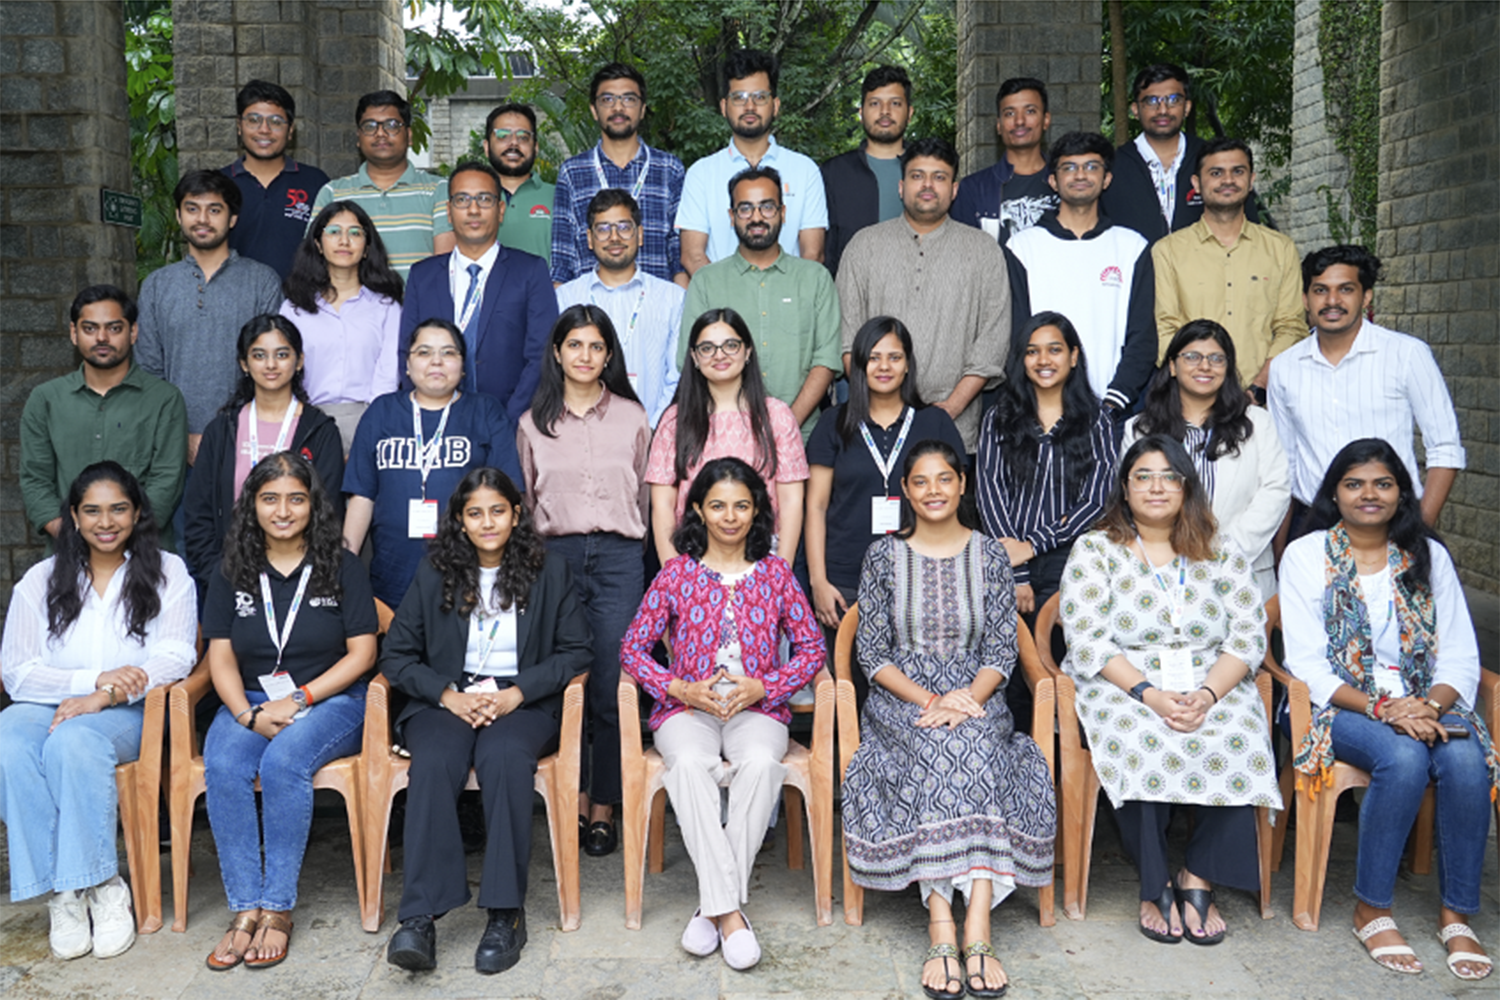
column 485, row 686
column 421, row 518
column 280, row 685
column 885, row 515
column 1177, row 670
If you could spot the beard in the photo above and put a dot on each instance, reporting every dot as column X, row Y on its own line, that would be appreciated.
column 758, row 241
column 211, row 243
column 623, row 263
column 753, row 131
column 506, row 170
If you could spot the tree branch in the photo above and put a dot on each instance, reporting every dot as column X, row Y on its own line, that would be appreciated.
column 844, row 75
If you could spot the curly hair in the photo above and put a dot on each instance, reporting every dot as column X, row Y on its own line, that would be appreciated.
column 257, row 327
column 323, row 539
column 1193, row 532
column 141, row 594
column 691, row 536
column 453, row 556
column 1228, row 419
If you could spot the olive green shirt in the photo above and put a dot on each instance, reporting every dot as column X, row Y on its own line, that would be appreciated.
column 528, row 218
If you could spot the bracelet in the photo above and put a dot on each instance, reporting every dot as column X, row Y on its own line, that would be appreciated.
column 929, row 703
column 1374, row 705
column 308, row 695
column 1139, row 691
column 1205, row 687
column 110, row 689
column 1436, row 706
column 254, row 712
column 247, row 711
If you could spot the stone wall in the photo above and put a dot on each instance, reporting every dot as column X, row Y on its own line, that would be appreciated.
column 1058, row 42
column 64, row 134
column 1315, row 162
column 326, row 54
column 1439, row 223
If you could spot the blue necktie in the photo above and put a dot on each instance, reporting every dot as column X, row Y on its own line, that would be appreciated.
column 471, row 328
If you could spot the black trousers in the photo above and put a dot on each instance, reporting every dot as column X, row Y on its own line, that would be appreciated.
column 503, row 755
column 1222, row 847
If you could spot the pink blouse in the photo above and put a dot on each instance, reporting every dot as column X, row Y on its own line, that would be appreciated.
column 729, row 436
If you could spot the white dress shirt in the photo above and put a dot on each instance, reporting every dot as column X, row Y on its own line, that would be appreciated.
column 458, row 279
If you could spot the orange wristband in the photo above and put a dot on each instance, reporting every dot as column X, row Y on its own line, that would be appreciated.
column 308, row 694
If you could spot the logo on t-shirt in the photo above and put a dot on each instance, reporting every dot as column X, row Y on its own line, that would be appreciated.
column 1111, row 277
column 1193, row 197
column 540, row 212
column 322, row 602
column 244, row 604
column 401, row 453
column 298, row 205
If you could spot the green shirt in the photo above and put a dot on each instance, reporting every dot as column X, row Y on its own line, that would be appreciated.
column 528, row 218
column 792, row 308
column 66, row 426
column 406, row 215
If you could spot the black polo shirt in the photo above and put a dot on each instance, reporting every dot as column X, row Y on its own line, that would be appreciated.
column 273, row 220
column 319, row 637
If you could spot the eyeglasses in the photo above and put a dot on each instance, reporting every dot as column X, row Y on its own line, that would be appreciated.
column 1193, row 359
column 1155, row 101
column 425, row 353
column 622, row 100
column 1171, row 482
column 740, row 98
column 276, row 122
column 1090, row 167
column 521, row 134
column 391, row 126
column 334, row 232
column 601, row 230
column 707, row 350
column 767, row 209
column 463, row 200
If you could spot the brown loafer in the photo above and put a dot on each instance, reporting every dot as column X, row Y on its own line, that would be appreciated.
column 243, row 923
column 273, row 920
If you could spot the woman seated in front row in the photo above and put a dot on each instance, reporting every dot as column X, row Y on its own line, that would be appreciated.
column 488, row 636
column 943, row 791
column 724, row 602
column 1377, row 626
column 1164, row 627
column 89, row 632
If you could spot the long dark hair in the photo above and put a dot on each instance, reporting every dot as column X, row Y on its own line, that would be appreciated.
column 244, row 389
column 857, row 410
column 71, row 568
column 1014, row 413
column 1193, row 533
column 309, row 276
column 453, row 555
column 1228, row 419
column 547, row 404
column 691, row 536
column 695, row 402
column 967, row 516
column 323, row 539
column 1406, row 528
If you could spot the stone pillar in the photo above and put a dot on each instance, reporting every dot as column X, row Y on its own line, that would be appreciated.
column 1058, row 42
column 1439, row 222
column 64, row 134
column 1315, row 161
column 326, row 54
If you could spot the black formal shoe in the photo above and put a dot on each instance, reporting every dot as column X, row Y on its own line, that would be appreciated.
column 414, row 945
column 504, row 937
column 601, row 839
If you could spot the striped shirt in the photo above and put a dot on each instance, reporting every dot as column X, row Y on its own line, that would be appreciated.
column 1043, row 511
column 407, row 215
column 578, row 182
column 1386, row 381
column 646, row 312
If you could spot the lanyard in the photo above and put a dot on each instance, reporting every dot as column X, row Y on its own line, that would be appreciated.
column 428, row 451
column 640, row 182
column 886, row 465
column 488, row 643
column 282, row 438
column 635, row 314
column 1178, row 597
column 279, row 639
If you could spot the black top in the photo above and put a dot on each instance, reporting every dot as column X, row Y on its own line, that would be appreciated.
column 1130, row 200
column 856, row 479
column 853, row 194
column 319, row 637
column 273, row 219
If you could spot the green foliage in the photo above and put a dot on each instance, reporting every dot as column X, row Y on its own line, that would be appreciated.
column 153, row 131
column 825, row 47
column 1239, row 55
column 1349, row 50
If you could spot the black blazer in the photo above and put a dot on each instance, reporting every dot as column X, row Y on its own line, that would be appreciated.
column 1130, row 200
column 424, row 651
column 853, row 196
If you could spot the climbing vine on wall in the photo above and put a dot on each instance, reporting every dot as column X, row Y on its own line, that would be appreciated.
column 1349, row 49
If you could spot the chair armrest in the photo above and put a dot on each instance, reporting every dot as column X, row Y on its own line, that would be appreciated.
column 1046, row 620
column 1027, row 657
column 1297, row 697
column 378, row 736
column 152, row 727
column 628, row 693
column 1489, row 700
column 182, row 700
column 572, row 715
column 825, row 695
column 847, row 717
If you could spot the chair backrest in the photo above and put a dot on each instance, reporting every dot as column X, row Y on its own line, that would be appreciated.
column 1046, row 621
column 384, row 615
column 843, row 645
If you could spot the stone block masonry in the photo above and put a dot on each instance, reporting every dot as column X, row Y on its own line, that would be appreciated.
column 1315, row 161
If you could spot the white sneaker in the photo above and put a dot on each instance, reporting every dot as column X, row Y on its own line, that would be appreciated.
column 114, row 918
column 701, row 936
column 70, row 924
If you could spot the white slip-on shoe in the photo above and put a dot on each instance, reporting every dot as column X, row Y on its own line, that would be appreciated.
column 70, row 924
column 700, row 937
column 114, row 918
column 741, row 949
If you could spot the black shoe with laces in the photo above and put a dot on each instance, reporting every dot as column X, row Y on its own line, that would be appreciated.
column 414, row 945
column 504, row 937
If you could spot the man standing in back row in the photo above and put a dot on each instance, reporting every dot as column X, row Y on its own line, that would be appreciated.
column 863, row 185
column 1011, row 196
column 510, row 145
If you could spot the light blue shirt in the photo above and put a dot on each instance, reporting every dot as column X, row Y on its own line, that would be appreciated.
column 650, row 344
column 705, row 197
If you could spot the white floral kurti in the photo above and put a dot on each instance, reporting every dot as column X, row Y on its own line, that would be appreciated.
column 1113, row 605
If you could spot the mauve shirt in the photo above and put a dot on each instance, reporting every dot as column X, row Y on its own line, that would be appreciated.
column 592, row 475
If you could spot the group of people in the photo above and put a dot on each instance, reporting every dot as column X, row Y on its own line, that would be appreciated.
column 564, row 435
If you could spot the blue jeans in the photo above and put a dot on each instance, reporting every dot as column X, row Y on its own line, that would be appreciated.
column 233, row 757
column 608, row 573
column 57, row 794
column 1400, row 769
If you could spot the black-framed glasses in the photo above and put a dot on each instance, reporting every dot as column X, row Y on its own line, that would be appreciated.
column 1155, row 101
column 254, row 120
column 602, row 230
column 622, row 100
column 767, row 209
column 521, row 134
column 464, row 199
column 391, row 126
column 706, row 350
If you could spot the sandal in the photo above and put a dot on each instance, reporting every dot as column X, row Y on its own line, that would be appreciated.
column 243, row 923
column 273, row 920
column 1200, row 900
column 983, row 950
column 1454, row 957
column 945, row 952
column 1163, row 904
column 1375, row 927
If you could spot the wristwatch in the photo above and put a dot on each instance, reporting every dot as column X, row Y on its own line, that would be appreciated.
column 109, row 689
column 1139, row 691
column 1436, row 706
column 300, row 697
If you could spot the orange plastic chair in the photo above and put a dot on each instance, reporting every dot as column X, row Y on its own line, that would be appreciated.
column 808, row 785
column 1043, row 719
column 1081, row 783
column 386, row 773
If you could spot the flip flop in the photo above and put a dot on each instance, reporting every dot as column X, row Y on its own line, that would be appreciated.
column 273, row 920
column 1200, row 900
column 945, row 952
column 984, row 951
column 1375, row 927
column 1164, row 906
column 1464, row 931
column 243, row 923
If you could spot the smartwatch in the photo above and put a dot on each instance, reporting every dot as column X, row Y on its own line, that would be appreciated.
column 1139, row 691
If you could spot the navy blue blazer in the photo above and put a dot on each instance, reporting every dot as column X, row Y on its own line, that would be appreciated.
column 515, row 322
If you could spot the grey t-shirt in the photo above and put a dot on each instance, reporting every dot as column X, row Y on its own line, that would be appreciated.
column 888, row 176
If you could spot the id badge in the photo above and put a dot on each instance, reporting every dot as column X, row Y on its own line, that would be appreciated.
column 280, row 685
column 885, row 515
column 485, row 686
column 1177, row 670
column 421, row 518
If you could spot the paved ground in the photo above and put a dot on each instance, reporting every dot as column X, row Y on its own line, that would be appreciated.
column 1102, row 957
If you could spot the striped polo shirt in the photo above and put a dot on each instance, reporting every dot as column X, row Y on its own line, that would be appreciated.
column 407, row 216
